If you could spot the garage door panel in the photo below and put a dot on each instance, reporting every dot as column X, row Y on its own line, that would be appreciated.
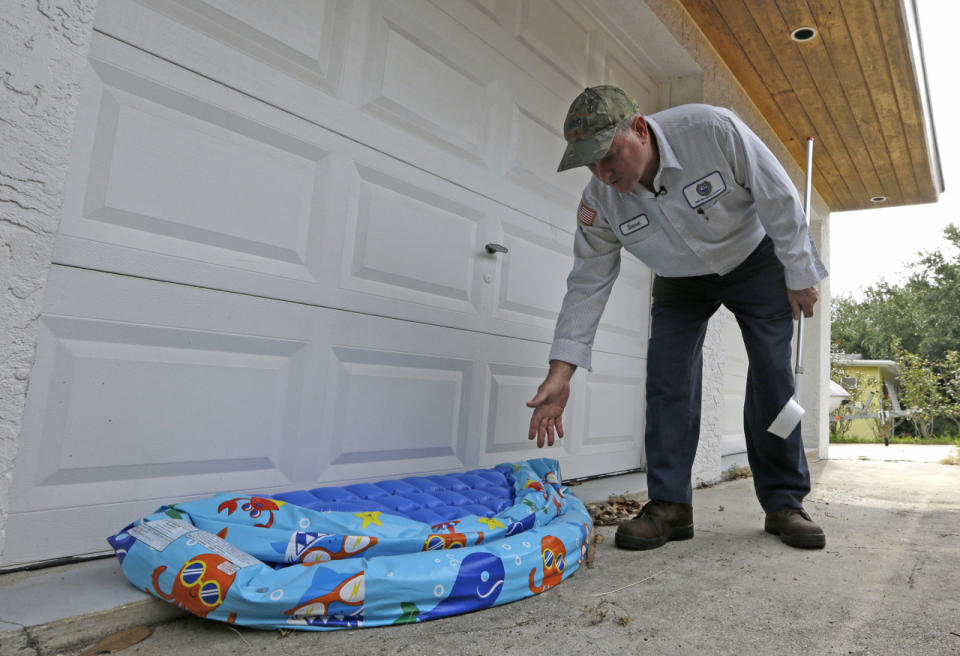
column 38, row 536
column 413, row 243
column 434, row 137
column 179, row 178
column 128, row 410
column 535, row 148
column 367, row 232
column 399, row 406
column 403, row 398
column 507, row 419
column 533, row 274
column 161, row 170
column 425, row 80
column 603, row 421
column 533, row 283
column 613, row 416
column 488, row 8
column 111, row 368
column 463, row 137
column 559, row 33
column 613, row 410
column 621, row 70
column 300, row 38
column 624, row 326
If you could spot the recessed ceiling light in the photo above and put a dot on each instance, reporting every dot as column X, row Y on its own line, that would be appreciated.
column 803, row 34
column 878, row 199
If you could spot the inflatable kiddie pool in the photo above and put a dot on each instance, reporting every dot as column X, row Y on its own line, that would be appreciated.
column 371, row 554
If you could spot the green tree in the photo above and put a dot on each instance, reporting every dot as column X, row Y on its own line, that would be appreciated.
column 916, row 323
column 950, row 384
column 882, row 424
column 923, row 312
column 920, row 390
column 839, row 427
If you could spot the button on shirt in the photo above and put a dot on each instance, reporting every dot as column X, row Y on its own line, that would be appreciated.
column 719, row 190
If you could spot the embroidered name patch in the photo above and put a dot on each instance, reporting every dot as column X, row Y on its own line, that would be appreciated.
column 586, row 214
column 705, row 189
column 632, row 225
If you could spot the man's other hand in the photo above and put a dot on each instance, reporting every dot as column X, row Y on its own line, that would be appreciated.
column 802, row 300
column 549, row 403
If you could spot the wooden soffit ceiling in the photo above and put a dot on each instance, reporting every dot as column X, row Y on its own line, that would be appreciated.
column 854, row 87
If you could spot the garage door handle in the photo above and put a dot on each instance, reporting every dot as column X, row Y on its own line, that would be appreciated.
column 496, row 248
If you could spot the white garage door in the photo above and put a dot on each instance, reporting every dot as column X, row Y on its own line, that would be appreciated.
column 271, row 270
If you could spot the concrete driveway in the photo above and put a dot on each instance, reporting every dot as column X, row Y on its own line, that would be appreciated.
column 892, row 453
column 887, row 583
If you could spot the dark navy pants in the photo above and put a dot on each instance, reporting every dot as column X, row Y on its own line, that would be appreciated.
column 756, row 293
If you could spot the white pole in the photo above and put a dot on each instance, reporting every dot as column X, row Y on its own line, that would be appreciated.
column 807, row 193
column 791, row 413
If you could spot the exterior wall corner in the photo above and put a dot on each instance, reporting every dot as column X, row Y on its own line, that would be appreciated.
column 43, row 47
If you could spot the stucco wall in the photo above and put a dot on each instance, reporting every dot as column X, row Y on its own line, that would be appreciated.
column 43, row 48
column 706, row 465
column 720, row 87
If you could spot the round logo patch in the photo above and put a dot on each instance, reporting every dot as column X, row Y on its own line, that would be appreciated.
column 704, row 188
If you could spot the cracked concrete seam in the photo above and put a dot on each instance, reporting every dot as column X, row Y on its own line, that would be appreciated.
column 5, row 621
column 32, row 641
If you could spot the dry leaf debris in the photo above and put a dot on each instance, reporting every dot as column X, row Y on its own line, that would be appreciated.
column 614, row 510
column 118, row 641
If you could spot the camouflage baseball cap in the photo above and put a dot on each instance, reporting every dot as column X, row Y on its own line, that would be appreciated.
column 591, row 123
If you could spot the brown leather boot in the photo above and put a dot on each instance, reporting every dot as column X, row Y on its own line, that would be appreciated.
column 657, row 523
column 795, row 528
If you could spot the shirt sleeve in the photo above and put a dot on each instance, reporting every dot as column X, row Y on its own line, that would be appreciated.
column 596, row 264
column 778, row 206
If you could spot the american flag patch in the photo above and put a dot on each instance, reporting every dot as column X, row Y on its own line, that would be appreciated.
column 586, row 214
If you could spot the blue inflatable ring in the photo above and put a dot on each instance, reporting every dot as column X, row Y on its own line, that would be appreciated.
column 393, row 552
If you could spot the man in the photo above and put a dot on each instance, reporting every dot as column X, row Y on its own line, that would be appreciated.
column 696, row 196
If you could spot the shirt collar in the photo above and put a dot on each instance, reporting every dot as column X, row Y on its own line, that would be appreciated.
column 668, row 160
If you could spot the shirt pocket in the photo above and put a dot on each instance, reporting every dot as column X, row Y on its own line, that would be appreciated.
column 715, row 216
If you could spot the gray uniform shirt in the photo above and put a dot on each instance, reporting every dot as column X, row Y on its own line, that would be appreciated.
column 719, row 191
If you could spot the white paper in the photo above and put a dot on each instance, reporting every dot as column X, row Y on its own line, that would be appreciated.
column 160, row 533
column 787, row 420
column 223, row 548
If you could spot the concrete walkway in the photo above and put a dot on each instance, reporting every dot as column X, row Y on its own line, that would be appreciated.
column 892, row 453
column 887, row 583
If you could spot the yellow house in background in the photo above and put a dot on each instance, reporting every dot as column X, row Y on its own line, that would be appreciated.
column 870, row 383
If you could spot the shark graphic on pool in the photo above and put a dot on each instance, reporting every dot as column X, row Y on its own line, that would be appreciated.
column 479, row 583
